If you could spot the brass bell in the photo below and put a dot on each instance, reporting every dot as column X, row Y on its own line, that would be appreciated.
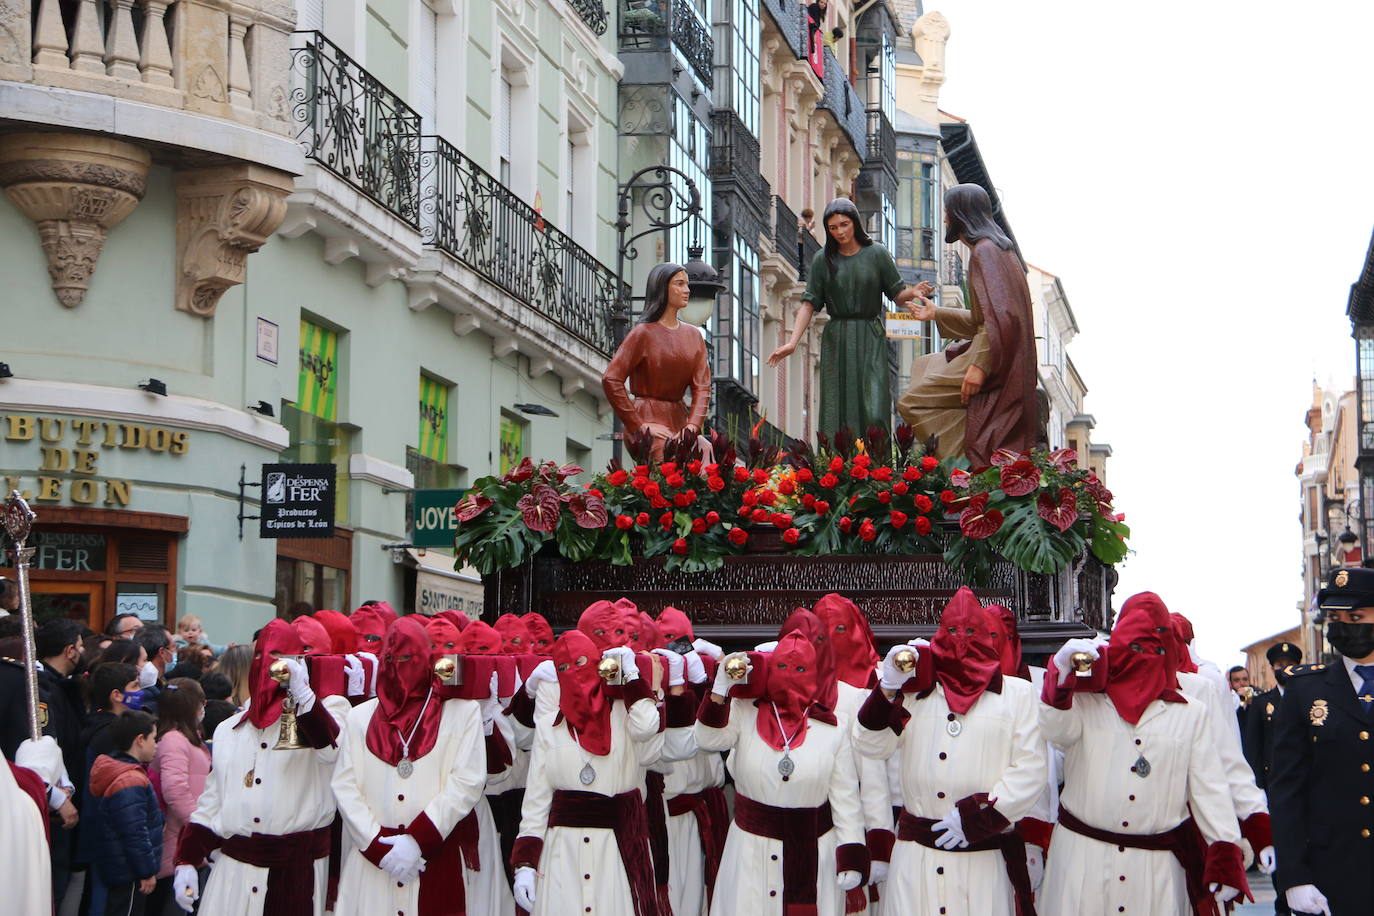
column 288, row 734
column 1082, row 664
column 609, row 669
column 905, row 660
column 446, row 670
column 737, row 668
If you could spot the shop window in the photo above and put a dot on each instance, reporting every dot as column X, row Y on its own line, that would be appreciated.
column 433, row 433
column 316, row 436
column 512, row 442
column 304, row 587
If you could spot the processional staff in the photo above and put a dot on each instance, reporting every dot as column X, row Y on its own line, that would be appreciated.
column 18, row 521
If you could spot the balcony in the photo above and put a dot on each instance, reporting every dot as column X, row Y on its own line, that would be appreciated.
column 741, row 190
column 593, row 13
column 354, row 126
column 882, row 141
column 647, row 25
column 790, row 18
column 843, row 103
column 471, row 216
column 787, row 234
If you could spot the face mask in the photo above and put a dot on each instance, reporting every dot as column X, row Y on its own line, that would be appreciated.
column 696, row 312
column 1353, row 640
column 133, row 699
column 147, row 675
column 1281, row 675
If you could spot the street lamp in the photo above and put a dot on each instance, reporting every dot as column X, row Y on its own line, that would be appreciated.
column 704, row 283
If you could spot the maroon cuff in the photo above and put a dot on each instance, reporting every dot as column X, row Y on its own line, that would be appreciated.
column 880, row 844
column 1257, row 832
column 426, row 834
column 853, row 857
column 1035, row 831
column 681, row 709
column 317, row 727
column 498, row 753
column 195, row 842
column 636, row 690
column 377, row 850
column 527, row 851
column 878, row 713
column 1052, row 693
column 980, row 820
column 522, row 708
column 1225, row 865
column 713, row 714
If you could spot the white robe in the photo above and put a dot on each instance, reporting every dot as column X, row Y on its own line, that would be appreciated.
column 686, row 860
column 25, row 867
column 446, row 784
column 999, row 750
column 751, row 870
column 875, row 796
column 487, row 891
column 1246, row 797
column 1086, row 876
column 289, row 793
column 580, row 867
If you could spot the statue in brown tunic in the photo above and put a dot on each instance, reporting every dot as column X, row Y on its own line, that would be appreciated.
column 978, row 396
column 662, row 359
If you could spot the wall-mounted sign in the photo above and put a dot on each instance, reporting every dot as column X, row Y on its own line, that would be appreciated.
column 65, row 551
column 147, row 605
column 433, row 521
column 297, row 501
column 268, row 334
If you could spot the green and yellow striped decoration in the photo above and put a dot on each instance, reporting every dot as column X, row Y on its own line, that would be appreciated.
column 433, row 437
column 319, row 378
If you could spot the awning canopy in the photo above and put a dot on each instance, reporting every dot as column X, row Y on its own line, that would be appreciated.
column 439, row 587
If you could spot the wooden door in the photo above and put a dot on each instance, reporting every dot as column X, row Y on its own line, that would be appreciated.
column 83, row 602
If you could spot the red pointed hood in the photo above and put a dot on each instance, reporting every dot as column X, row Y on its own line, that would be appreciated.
column 603, row 623
column 370, row 624
column 965, row 647
column 443, row 634
column 315, row 639
column 276, row 639
column 791, row 690
column 1181, row 633
column 809, row 625
column 343, row 639
column 582, row 700
column 480, row 639
column 650, row 637
column 457, row 618
column 406, row 708
column 1009, row 643
column 674, row 624
column 1138, row 657
column 856, row 653
column 541, row 634
column 515, row 638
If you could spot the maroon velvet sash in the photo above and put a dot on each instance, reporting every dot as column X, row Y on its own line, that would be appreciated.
column 915, row 829
column 465, row 835
column 290, row 862
column 657, row 817
column 624, row 815
column 799, row 829
column 1184, row 841
column 441, row 883
column 713, row 821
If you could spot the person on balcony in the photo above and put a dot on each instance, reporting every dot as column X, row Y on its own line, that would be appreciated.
column 848, row 280
column 978, row 396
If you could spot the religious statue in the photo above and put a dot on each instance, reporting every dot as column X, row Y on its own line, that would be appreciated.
column 662, row 358
column 978, row 396
column 848, row 280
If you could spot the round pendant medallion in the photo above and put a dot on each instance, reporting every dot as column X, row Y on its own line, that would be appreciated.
column 954, row 727
column 588, row 775
column 405, row 768
column 786, row 767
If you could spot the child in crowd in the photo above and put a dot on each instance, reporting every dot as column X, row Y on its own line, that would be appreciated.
column 191, row 632
column 130, row 850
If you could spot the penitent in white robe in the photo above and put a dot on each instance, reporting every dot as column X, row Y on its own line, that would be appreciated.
column 697, row 771
column 24, row 861
column 875, row 795
column 999, row 750
column 486, row 891
column 750, row 879
column 288, row 792
column 1246, row 797
column 571, row 854
column 1087, row 876
column 445, row 785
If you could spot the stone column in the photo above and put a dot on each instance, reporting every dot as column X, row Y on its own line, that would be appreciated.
column 74, row 187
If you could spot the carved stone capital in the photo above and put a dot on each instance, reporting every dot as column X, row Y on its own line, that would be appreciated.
column 75, row 188
column 224, row 214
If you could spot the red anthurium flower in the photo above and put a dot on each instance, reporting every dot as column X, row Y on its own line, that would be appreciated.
column 521, row 472
column 1003, row 457
column 588, row 511
column 791, row 536
column 977, row 521
column 1061, row 515
column 1019, row 478
column 1064, row 459
column 471, row 506
column 960, row 478
column 539, row 508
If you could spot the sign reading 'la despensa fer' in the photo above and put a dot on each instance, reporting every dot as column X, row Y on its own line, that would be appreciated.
column 297, row 501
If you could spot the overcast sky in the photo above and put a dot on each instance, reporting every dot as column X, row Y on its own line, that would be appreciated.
column 1201, row 177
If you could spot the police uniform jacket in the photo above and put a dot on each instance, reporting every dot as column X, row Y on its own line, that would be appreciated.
column 60, row 714
column 1321, row 789
column 1259, row 734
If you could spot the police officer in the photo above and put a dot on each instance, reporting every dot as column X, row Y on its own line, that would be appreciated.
column 1259, row 725
column 1321, row 775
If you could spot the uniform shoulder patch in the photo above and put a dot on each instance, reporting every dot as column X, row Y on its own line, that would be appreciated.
column 1300, row 670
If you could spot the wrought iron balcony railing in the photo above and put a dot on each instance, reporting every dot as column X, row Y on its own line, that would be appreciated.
column 469, row 214
column 646, row 25
column 882, row 140
column 787, row 234
column 790, row 18
column 843, row 103
column 953, row 273
column 354, row 126
column 594, row 13
column 809, row 249
column 735, row 156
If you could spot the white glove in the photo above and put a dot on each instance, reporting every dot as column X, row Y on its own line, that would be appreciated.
column 1267, row 860
column 1035, row 865
column 147, row 675
column 299, row 686
column 404, row 863
column 629, row 671
column 1305, row 898
column 848, row 880
column 708, row 648
column 376, row 669
column 892, row 677
column 953, row 826
column 490, row 705
column 766, row 646
column 1061, row 658
column 186, row 887
column 1222, row 893
column 723, row 682
column 675, row 666
column 357, row 675
column 44, row 757
column 544, row 671
column 695, row 670
column 524, row 888
column 877, row 872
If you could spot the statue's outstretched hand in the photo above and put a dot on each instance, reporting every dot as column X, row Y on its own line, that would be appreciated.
column 781, row 353
column 924, row 310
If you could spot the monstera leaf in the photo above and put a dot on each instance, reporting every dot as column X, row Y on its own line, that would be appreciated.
column 1032, row 543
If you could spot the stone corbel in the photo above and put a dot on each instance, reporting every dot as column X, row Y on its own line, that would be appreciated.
column 75, row 188
column 224, row 214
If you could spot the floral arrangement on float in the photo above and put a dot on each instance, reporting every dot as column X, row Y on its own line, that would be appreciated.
column 849, row 495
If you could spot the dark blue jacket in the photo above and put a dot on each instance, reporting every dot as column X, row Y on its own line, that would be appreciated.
column 131, row 842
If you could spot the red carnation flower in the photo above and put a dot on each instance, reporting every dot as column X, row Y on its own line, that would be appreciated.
column 712, row 468
column 791, row 536
column 867, row 531
column 760, row 515
column 652, row 489
column 846, row 524
column 737, row 536
column 713, row 518
column 808, row 501
column 862, row 461
column 882, row 474
column 829, row 481
column 668, row 468
column 658, row 502
column 741, row 474
column 923, row 502
column 781, row 520
column 898, row 519
column 666, row 520
column 694, row 467
column 624, row 522
column 761, row 476
column 680, row 546
column 900, row 488
column 642, row 520
column 698, row 526
column 947, row 496
column 922, row 525
column 767, row 497
column 751, row 497
column 911, row 475
column 805, row 475
column 858, row 472
column 822, row 507
column 884, row 497
column 617, row 477
column 641, row 470
column 786, row 487
column 639, row 483
column 676, row 480
column 715, row 484
column 682, row 500
column 836, row 464
column 929, row 463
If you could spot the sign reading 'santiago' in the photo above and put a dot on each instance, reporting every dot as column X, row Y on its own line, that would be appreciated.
column 297, row 501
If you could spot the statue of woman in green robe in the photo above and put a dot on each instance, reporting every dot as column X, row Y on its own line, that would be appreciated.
column 848, row 280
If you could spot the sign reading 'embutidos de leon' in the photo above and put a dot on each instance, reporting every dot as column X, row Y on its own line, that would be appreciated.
column 297, row 501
